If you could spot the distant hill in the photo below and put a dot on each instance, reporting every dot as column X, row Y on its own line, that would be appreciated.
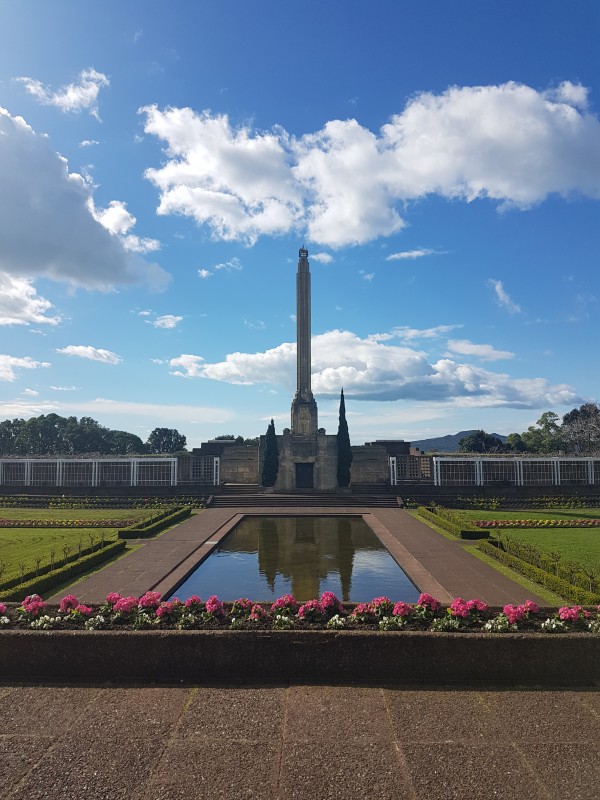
column 448, row 444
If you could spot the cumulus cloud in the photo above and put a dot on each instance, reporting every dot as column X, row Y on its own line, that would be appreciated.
column 204, row 273
column 74, row 97
column 371, row 370
column 48, row 225
column 167, row 321
column 233, row 265
column 322, row 258
column 30, row 392
column 504, row 301
column 8, row 365
column 344, row 184
column 20, row 303
column 91, row 353
column 485, row 352
column 88, row 142
column 118, row 222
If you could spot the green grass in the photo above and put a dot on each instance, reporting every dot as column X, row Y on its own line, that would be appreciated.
column 579, row 545
column 23, row 546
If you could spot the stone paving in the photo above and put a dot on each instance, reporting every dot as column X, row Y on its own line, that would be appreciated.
column 435, row 564
column 275, row 743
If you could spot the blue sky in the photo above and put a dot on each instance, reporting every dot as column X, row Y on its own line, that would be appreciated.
column 161, row 164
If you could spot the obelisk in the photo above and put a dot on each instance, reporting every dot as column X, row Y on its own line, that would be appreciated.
column 304, row 406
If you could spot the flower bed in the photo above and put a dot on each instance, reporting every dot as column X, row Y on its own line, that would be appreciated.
column 64, row 523
column 536, row 523
column 196, row 642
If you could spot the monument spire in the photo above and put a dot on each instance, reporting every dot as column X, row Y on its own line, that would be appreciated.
column 304, row 407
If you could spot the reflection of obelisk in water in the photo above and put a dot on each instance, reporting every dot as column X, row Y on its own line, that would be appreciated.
column 304, row 406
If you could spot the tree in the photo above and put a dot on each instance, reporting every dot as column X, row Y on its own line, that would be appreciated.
column 545, row 436
column 122, row 443
column 581, row 429
column 166, row 440
column 343, row 447
column 270, row 463
column 514, row 443
column 480, row 442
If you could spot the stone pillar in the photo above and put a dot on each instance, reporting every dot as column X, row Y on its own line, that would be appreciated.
column 304, row 406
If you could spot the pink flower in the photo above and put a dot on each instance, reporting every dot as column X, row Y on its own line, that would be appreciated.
column 214, row 606
column 331, row 603
column 257, row 613
column 68, row 602
column 286, row 602
column 241, row 606
column 85, row 611
column 150, row 600
column 531, row 607
column 477, row 605
column 112, row 598
column 363, row 613
column 33, row 605
column 514, row 613
column 402, row 610
column 193, row 602
column 569, row 614
column 382, row 606
column 459, row 608
column 167, row 609
column 429, row 601
column 2, row 608
column 125, row 605
column 312, row 611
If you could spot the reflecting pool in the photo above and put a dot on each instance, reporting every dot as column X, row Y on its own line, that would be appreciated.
column 265, row 557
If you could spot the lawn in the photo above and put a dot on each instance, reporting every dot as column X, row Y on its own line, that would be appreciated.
column 22, row 546
column 578, row 545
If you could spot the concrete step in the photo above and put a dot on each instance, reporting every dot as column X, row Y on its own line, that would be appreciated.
column 230, row 500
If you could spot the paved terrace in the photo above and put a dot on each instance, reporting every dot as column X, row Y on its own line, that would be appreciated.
column 435, row 564
column 307, row 743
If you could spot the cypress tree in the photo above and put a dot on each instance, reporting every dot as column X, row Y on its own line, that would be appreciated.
column 343, row 445
column 270, row 464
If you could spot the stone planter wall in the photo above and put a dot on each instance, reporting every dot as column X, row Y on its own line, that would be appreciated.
column 310, row 657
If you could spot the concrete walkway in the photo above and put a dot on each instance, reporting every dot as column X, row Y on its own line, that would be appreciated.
column 435, row 564
column 297, row 742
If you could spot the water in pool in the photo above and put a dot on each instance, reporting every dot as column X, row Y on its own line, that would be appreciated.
column 265, row 557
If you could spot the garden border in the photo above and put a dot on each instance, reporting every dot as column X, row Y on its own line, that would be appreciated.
column 219, row 657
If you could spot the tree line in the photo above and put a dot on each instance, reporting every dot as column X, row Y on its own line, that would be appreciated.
column 577, row 433
column 53, row 435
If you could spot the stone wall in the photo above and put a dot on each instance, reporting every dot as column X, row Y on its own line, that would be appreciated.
column 239, row 464
column 370, row 464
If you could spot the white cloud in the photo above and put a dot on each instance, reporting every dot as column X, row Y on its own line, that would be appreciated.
column 485, row 352
column 168, row 321
column 410, row 254
column 118, row 222
column 88, row 142
column 8, row 365
column 409, row 334
column 145, row 313
column 74, row 97
column 257, row 325
column 344, row 184
column 370, row 370
column 30, row 392
column 48, row 228
column 204, row 273
column 91, row 353
column 366, row 276
column 21, row 305
column 502, row 297
column 64, row 388
column 322, row 258
column 155, row 413
column 233, row 265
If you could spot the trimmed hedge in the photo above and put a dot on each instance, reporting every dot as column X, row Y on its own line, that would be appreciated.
column 141, row 530
column 546, row 579
column 451, row 522
column 46, row 583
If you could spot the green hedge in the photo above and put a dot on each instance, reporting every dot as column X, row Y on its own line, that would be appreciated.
column 451, row 522
column 546, row 579
column 141, row 530
column 46, row 583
